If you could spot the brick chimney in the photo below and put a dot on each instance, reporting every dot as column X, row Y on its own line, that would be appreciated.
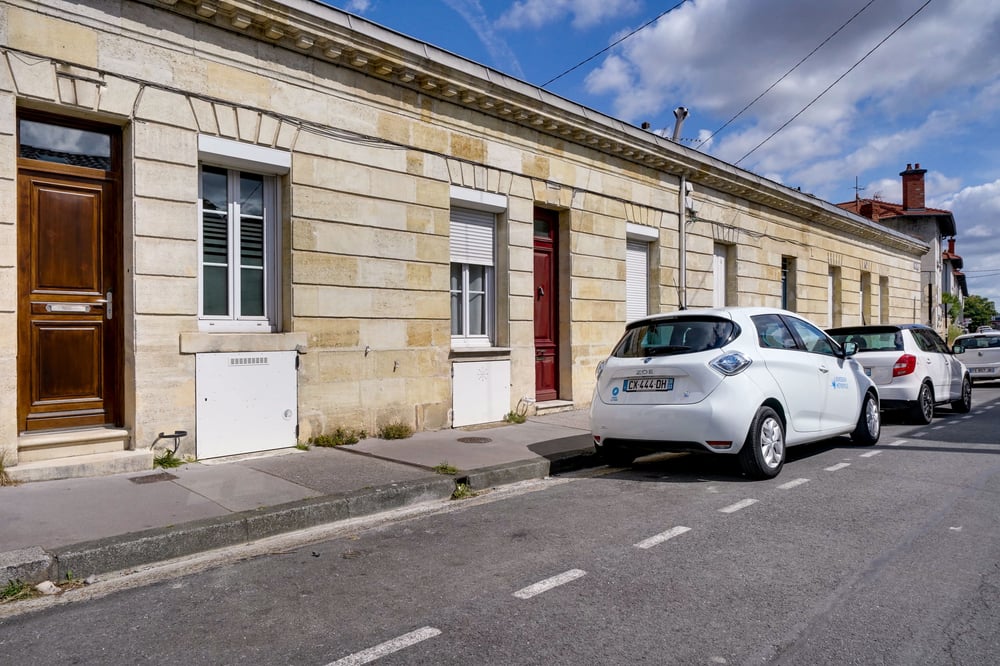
column 913, row 187
column 951, row 245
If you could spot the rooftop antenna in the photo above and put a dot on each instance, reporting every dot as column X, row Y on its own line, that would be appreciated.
column 857, row 189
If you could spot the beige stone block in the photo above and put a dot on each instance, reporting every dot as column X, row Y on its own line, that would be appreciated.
column 431, row 193
column 166, row 257
column 161, row 335
column 165, row 219
column 166, row 181
column 330, row 333
column 204, row 115
column 382, row 336
column 67, row 41
column 326, row 301
column 164, row 143
column 8, row 296
column 598, row 267
column 468, row 148
column 314, row 268
column 431, row 248
column 598, row 311
column 288, row 134
column 394, row 127
column 337, row 367
column 587, row 288
column 333, row 399
column 597, row 246
column 8, row 110
column 225, row 117
column 521, row 309
column 165, row 107
column 118, row 96
column 426, row 277
column 166, row 295
column 431, row 138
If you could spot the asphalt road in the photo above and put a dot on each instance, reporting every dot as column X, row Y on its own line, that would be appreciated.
column 882, row 555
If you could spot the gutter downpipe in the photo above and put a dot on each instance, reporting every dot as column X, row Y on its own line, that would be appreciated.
column 682, row 244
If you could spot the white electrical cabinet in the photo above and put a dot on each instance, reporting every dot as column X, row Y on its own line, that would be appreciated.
column 247, row 402
column 480, row 392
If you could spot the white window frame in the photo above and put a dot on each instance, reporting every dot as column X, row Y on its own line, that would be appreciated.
column 720, row 269
column 469, row 249
column 269, row 163
column 639, row 240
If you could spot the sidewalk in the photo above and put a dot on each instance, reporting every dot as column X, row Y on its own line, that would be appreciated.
column 103, row 524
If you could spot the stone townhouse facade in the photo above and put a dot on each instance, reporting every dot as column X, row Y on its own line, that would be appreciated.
column 237, row 225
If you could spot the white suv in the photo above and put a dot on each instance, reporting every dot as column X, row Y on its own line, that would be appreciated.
column 912, row 367
column 981, row 354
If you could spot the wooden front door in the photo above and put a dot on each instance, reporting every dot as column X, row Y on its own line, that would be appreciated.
column 546, row 305
column 68, row 237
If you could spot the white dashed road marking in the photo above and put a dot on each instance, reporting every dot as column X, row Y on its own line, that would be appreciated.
column 383, row 649
column 870, row 454
column 742, row 504
column 937, row 427
column 792, row 484
column 897, row 442
column 549, row 583
column 837, row 467
column 662, row 536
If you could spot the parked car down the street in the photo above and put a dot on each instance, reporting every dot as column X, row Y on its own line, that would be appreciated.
column 742, row 381
column 980, row 352
column 912, row 367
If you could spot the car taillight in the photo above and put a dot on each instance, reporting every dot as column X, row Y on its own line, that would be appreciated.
column 904, row 365
column 731, row 364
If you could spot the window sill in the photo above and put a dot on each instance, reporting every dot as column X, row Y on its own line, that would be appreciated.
column 200, row 343
column 462, row 354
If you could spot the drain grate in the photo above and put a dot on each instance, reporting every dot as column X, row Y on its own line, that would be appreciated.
column 153, row 478
column 475, row 440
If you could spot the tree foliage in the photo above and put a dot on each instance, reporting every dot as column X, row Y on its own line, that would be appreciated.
column 979, row 311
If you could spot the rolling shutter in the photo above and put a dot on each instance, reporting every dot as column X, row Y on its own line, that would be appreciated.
column 472, row 236
column 636, row 272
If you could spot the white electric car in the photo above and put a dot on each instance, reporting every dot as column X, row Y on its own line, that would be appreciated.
column 743, row 381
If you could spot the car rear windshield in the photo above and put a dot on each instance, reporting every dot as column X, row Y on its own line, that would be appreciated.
column 675, row 336
column 870, row 338
column 984, row 342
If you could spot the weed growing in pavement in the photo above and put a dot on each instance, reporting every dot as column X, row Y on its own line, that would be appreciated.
column 515, row 417
column 445, row 468
column 167, row 459
column 463, row 491
column 339, row 437
column 15, row 589
column 5, row 477
column 396, row 430
column 302, row 446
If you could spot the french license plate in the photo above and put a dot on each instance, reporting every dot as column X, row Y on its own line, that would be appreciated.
column 649, row 384
column 982, row 370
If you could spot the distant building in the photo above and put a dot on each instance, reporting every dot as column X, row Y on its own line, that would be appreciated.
column 932, row 226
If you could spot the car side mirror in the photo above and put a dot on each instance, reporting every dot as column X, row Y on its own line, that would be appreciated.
column 850, row 348
column 957, row 349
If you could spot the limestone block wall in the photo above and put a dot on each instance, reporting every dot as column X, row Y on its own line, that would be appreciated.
column 365, row 220
column 8, row 274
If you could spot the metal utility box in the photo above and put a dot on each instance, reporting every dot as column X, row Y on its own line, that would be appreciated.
column 247, row 402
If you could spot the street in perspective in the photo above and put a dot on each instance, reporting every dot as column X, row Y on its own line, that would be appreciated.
column 884, row 554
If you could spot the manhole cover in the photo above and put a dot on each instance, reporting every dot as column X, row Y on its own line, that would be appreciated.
column 474, row 440
column 153, row 478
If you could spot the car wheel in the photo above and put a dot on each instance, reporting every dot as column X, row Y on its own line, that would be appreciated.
column 869, row 427
column 964, row 404
column 922, row 411
column 763, row 452
column 615, row 457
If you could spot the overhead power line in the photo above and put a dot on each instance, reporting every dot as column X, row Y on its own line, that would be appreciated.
column 786, row 74
column 838, row 80
column 616, row 43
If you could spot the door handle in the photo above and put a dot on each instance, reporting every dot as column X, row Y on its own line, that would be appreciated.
column 541, row 292
column 109, row 304
column 823, row 368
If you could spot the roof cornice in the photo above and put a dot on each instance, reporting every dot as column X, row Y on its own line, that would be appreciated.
column 325, row 33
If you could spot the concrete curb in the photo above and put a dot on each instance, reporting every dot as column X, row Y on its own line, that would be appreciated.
column 123, row 551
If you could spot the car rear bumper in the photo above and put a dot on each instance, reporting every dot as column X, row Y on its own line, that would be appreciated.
column 724, row 417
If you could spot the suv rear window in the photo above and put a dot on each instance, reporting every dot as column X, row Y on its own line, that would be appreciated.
column 675, row 336
column 870, row 338
column 984, row 342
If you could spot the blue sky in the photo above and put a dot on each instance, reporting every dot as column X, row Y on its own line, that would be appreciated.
column 853, row 90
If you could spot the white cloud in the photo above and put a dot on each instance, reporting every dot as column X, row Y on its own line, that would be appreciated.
column 977, row 215
column 358, row 6
column 473, row 14
column 585, row 13
column 938, row 77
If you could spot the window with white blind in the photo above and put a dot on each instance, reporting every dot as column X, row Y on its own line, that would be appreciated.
column 239, row 235
column 720, row 276
column 637, row 246
column 472, row 277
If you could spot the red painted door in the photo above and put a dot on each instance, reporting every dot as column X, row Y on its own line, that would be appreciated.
column 546, row 306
